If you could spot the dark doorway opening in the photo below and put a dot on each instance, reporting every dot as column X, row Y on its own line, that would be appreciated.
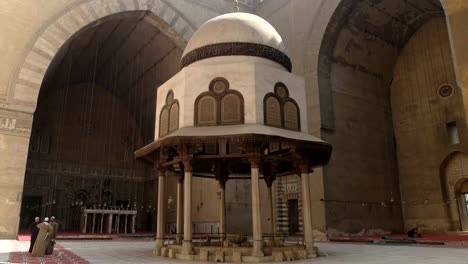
column 30, row 208
column 293, row 216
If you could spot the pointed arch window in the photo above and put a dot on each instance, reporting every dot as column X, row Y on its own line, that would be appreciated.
column 169, row 117
column 219, row 105
column 280, row 110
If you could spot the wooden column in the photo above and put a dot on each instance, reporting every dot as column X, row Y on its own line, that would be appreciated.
column 256, row 216
column 180, row 208
column 187, row 243
column 160, row 213
column 271, row 221
column 306, row 210
column 222, row 210
column 268, row 177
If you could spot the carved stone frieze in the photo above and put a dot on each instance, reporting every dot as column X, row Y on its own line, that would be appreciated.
column 237, row 49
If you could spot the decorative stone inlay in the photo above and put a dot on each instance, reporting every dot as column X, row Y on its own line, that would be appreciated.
column 219, row 87
column 237, row 49
column 445, row 91
column 15, row 123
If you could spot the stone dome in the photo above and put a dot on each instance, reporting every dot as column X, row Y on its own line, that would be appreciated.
column 246, row 31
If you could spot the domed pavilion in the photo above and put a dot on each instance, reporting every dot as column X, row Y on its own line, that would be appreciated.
column 233, row 109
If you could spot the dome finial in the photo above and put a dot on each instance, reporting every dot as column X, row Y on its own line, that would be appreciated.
column 236, row 5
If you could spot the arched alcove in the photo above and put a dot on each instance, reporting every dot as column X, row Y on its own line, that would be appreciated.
column 95, row 108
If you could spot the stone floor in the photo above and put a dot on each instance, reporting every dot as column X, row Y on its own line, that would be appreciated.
column 116, row 252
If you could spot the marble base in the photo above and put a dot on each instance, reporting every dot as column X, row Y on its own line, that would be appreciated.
column 237, row 254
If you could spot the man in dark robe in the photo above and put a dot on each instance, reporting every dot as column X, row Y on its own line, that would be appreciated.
column 52, row 236
column 34, row 231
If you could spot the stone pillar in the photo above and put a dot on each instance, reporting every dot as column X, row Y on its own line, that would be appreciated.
column 133, row 223
column 109, row 224
column 222, row 210
column 180, row 208
column 306, row 211
column 256, row 216
column 102, row 223
column 85, row 222
column 15, row 130
column 160, row 214
column 117, row 224
column 187, row 243
column 126, row 218
column 94, row 223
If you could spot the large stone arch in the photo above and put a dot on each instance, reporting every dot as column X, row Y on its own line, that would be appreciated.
column 26, row 81
column 28, row 76
column 354, row 60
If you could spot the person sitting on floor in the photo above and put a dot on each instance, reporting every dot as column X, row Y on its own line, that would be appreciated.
column 414, row 233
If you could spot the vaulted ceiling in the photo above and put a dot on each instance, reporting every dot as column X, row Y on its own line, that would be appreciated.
column 367, row 35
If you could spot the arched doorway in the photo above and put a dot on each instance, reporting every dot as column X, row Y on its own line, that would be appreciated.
column 462, row 197
column 454, row 179
column 94, row 109
column 358, row 55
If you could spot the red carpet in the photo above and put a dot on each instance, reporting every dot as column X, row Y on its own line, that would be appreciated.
column 61, row 255
column 432, row 237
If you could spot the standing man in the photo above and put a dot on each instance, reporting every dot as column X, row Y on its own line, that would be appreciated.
column 52, row 236
column 34, row 231
column 42, row 238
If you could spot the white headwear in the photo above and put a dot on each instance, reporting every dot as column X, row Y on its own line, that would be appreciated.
column 46, row 219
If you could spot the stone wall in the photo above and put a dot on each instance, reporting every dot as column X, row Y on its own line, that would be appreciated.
column 420, row 114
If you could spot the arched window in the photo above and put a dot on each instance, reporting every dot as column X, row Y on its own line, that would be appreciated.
column 174, row 117
column 231, row 109
column 207, row 111
column 163, row 123
column 219, row 105
column 280, row 110
column 291, row 116
column 272, row 111
column 169, row 117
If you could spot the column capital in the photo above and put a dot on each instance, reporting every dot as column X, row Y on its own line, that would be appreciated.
column 180, row 179
column 161, row 171
column 187, row 162
column 222, row 184
column 303, row 168
column 255, row 162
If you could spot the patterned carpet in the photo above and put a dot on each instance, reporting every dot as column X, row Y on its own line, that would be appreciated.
column 20, row 254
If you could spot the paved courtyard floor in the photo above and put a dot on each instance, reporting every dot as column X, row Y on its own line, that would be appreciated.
column 116, row 252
